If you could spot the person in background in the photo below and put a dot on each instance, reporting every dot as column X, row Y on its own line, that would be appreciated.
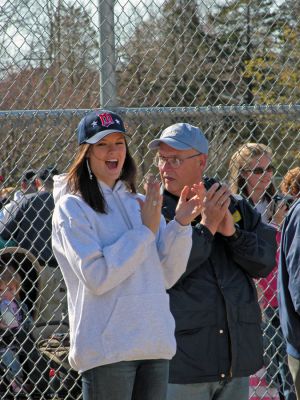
column 288, row 288
column 31, row 225
column 13, row 317
column 44, row 179
column 31, row 374
column 117, row 257
column 28, row 188
column 290, row 184
column 31, row 229
column 278, row 373
column 28, row 184
column 214, row 302
column 250, row 175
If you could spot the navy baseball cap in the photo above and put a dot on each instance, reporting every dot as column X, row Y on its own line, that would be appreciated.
column 28, row 175
column 48, row 172
column 182, row 136
column 97, row 124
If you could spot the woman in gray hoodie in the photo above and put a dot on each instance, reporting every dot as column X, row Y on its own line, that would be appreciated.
column 118, row 257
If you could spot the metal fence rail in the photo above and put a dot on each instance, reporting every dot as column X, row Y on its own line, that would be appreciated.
column 230, row 67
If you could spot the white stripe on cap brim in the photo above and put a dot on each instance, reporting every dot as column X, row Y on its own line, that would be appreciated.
column 100, row 135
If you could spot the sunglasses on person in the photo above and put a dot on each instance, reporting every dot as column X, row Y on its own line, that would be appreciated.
column 260, row 170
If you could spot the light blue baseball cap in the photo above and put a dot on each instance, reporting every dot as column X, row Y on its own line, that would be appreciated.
column 182, row 136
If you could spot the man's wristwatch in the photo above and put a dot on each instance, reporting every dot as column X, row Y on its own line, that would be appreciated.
column 235, row 236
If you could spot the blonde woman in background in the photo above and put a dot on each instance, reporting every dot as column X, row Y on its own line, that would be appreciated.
column 251, row 174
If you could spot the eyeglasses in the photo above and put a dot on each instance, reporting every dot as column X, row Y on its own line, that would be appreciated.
column 260, row 170
column 174, row 162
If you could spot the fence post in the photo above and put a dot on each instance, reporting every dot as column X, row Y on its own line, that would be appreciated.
column 107, row 54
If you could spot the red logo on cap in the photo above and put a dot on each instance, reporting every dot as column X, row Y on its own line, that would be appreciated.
column 106, row 119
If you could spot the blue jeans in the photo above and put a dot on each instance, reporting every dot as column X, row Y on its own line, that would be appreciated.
column 275, row 357
column 127, row 380
column 233, row 389
column 294, row 366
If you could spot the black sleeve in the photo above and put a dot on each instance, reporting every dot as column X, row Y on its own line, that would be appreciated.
column 255, row 249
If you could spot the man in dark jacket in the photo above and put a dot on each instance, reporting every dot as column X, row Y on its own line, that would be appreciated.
column 31, row 225
column 31, row 229
column 289, row 290
column 218, row 332
column 28, row 189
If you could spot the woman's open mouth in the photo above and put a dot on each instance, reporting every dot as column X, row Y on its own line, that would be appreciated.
column 112, row 164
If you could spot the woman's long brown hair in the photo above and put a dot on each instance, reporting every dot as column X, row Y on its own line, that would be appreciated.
column 79, row 179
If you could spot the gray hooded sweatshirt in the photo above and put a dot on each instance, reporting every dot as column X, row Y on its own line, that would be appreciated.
column 117, row 272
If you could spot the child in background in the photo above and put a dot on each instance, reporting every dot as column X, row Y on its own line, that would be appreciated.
column 11, row 321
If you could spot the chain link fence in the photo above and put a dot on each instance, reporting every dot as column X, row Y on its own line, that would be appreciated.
column 229, row 67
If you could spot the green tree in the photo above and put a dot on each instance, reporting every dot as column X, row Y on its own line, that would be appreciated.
column 162, row 61
column 184, row 47
column 242, row 30
column 276, row 80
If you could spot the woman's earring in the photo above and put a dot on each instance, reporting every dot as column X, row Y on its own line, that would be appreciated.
column 89, row 169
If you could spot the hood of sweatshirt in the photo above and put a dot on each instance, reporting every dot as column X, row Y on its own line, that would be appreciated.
column 61, row 188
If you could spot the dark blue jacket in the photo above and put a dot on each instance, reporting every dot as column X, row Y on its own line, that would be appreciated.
column 218, row 319
column 289, row 281
column 31, row 227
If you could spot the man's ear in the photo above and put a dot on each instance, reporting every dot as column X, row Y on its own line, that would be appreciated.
column 203, row 160
column 38, row 183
